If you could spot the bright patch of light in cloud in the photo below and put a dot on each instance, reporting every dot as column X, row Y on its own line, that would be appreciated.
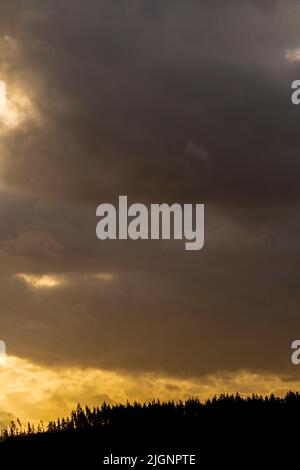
column 293, row 55
column 2, row 353
column 41, row 281
column 14, row 107
column 2, row 94
column 104, row 277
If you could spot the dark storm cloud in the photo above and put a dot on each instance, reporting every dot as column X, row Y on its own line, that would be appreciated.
column 125, row 87
column 163, row 101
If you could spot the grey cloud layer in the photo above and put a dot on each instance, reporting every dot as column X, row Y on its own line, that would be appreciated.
column 163, row 101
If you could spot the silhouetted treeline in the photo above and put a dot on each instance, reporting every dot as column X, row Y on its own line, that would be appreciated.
column 106, row 415
column 261, row 429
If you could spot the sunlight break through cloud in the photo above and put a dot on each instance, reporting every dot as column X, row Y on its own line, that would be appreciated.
column 43, row 281
column 293, row 55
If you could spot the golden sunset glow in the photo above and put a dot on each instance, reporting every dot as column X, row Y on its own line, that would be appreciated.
column 32, row 392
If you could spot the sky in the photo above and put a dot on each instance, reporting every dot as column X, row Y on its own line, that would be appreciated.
column 162, row 101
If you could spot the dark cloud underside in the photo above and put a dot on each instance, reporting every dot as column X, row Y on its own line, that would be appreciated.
column 162, row 101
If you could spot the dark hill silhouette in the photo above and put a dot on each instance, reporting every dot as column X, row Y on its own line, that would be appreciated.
column 225, row 431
